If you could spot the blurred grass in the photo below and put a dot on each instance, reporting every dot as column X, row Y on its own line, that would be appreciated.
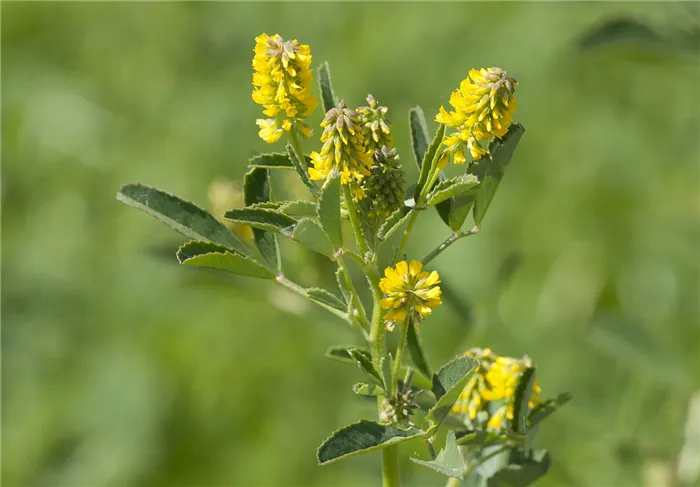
column 120, row 368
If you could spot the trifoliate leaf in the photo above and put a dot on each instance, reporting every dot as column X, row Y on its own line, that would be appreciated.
column 363, row 437
column 183, row 216
column 449, row 461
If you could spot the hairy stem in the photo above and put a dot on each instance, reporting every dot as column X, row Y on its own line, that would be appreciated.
column 391, row 474
column 452, row 239
column 399, row 355
column 355, row 298
column 453, row 482
column 406, row 234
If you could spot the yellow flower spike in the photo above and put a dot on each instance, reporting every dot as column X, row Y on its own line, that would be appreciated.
column 483, row 108
column 343, row 150
column 282, row 85
column 407, row 288
column 495, row 381
column 376, row 128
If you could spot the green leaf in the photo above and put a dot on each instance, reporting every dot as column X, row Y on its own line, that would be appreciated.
column 448, row 383
column 328, row 98
column 386, row 366
column 340, row 278
column 521, row 399
column 363, row 437
column 257, row 190
column 302, row 170
column 298, row 208
column 451, row 187
column 393, row 223
column 327, row 298
column 368, row 390
column 540, row 412
column 419, row 133
column 523, row 473
column 206, row 254
column 262, row 219
column 273, row 160
column 309, row 234
column 491, row 171
column 489, row 438
column 183, row 216
column 365, row 363
column 340, row 353
column 449, row 461
column 462, row 204
column 427, row 165
column 329, row 211
column 415, row 348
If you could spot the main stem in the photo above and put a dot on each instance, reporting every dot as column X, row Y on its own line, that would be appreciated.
column 399, row 355
column 354, row 220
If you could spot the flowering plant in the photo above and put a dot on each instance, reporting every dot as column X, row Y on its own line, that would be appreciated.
column 480, row 409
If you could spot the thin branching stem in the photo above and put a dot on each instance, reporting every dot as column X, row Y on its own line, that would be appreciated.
column 450, row 240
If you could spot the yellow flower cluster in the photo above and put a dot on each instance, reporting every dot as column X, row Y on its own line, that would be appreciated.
column 376, row 128
column 495, row 381
column 409, row 290
column 282, row 85
column 483, row 108
column 343, row 149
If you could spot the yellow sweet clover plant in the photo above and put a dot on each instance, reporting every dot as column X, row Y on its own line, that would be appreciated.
column 478, row 407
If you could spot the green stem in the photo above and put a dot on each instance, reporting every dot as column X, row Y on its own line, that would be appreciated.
column 406, row 234
column 484, row 460
column 391, row 474
column 296, row 288
column 354, row 220
column 399, row 355
column 355, row 298
column 452, row 239
column 453, row 482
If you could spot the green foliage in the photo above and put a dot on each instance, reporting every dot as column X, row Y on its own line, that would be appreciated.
column 415, row 348
column 329, row 211
column 273, row 160
column 545, row 409
column 368, row 390
column 308, row 233
column 365, row 363
column 205, row 254
column 449, row 461
column 183, row 216
column 393, row 223
column 327, row 298
column 363, row 437
column 301, row 169
column 448, row 383
column 448, row 188
column 429, row 160
column 521, row 399
column 482, row 438
column 341, row 353
column 522, row 474
column 328, row 98
column 261, row 218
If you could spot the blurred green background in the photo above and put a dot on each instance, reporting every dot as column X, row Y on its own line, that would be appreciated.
column 122, row 369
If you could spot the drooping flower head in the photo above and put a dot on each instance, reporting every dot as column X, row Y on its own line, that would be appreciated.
column 282, row 85
column 385, row 186
column 376, row 128
column 343, row 149
column 489, row 396
column 408, row 290
column 483, row 107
